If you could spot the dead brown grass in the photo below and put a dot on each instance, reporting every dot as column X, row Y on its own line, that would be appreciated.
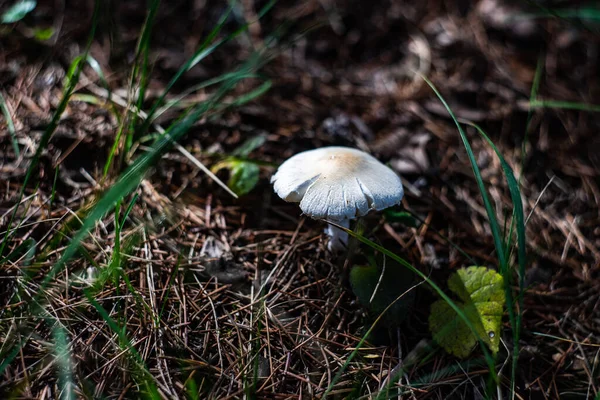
column 240, row 297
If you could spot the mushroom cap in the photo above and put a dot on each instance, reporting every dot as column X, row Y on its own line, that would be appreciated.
column 337, row 183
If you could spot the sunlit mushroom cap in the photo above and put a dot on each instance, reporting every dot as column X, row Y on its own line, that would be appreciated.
column 337, row 183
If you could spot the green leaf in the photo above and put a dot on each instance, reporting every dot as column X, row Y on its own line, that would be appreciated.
column 18, row 11
column 243, row 175
column 514, row 314
column 43, row 34
column 405, row 218
column 396, row 280
column 481, row 295
column 489, row 359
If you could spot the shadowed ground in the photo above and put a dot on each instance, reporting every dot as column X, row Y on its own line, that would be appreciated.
column 224, row 297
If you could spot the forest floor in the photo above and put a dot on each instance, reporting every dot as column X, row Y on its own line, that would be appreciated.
column 173, row 288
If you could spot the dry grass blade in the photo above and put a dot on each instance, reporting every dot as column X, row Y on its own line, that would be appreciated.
column 152, row 281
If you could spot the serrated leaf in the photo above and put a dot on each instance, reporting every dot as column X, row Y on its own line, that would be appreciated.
column 394, row 283
column 481, row 294
column 243, row 175
column 18, row 11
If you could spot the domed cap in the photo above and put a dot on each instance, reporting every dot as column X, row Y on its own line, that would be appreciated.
column 337, row 183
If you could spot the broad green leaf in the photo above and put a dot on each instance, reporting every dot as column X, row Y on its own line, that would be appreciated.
column 396, row 280
column 243, row 175
column 481, row 297
column 18, row 11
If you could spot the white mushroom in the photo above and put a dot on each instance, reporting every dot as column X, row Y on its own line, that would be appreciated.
column 337, row 184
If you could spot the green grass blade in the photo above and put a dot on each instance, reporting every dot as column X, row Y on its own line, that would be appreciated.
column 515, row 194
column 64, row 363
column 572, row 16
column 115, row 262
column 430, row 378
column 139, row 80
column 535, row 87
column 95, row 65
column 140, row 76
column 72, row 78
column 252, row 95
column 133, row 176
column 113, row 150
column 141, row 372
column 205, row 49
column 26, row 248
column 565, row 105
column 494, row 226
column 338, row 375
column 53, row 192
column 178, row 99
column 488, row 357
column 129, row 208
column 128, row 182
column 585, row 13
column 92, row 99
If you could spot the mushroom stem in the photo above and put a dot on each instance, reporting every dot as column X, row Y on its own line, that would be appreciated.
column 338, row 239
